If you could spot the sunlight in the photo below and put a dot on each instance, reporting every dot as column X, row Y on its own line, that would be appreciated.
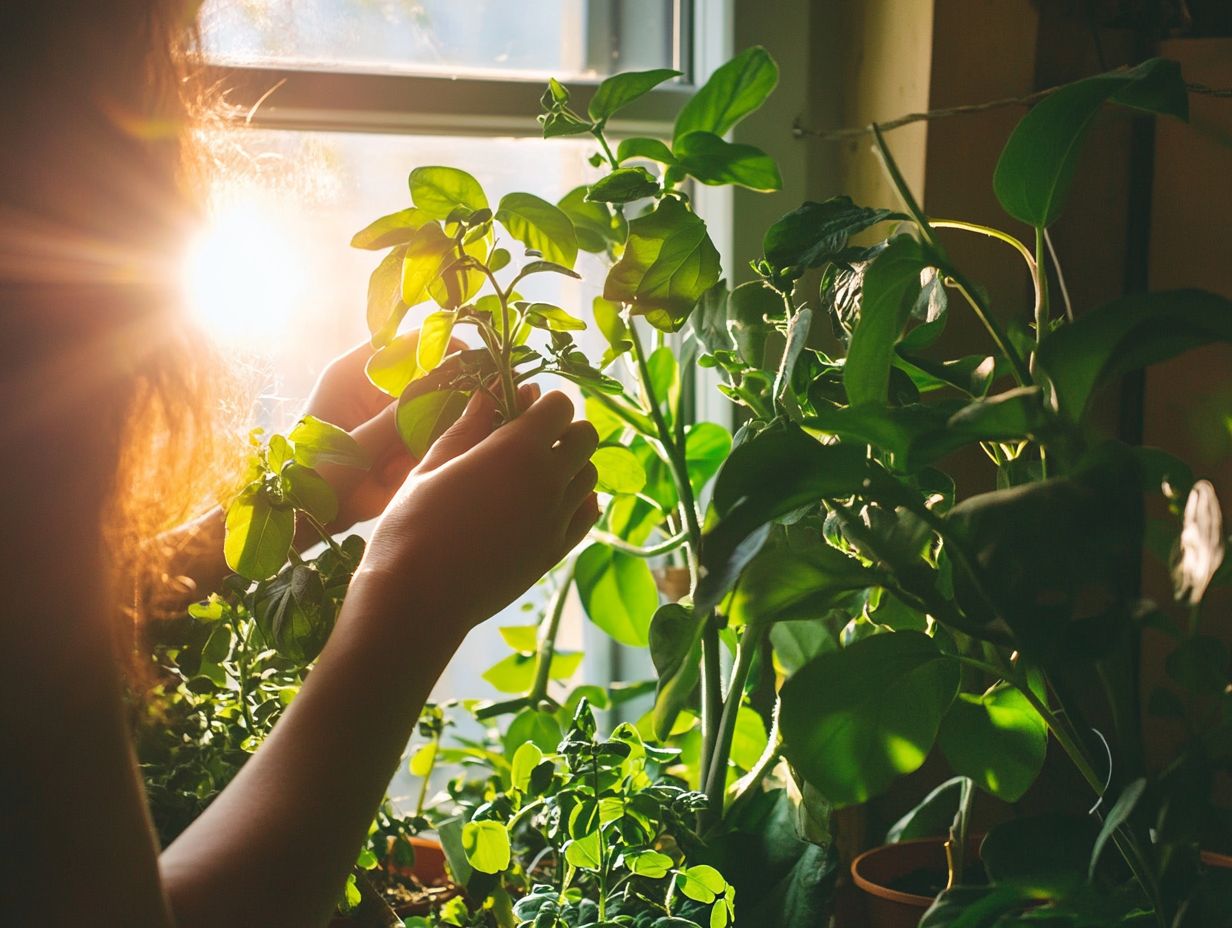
column 242, row 276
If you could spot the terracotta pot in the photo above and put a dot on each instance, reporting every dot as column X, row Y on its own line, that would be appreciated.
column 429, row 870
column 673, row 582
column 876, row 870
column 1220, row 861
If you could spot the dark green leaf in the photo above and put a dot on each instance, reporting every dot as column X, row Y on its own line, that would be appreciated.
column 1127, row 334
column 853, row 720
column 669, row 262
column 1200, row 664
column 932, row 817
column 618, row 593
column 736, row 89
column 748, row 309
column 977, row 906
column 798, row 642
column 530, row 726
column 675, row 648
column 816, row 232
column 622, row 89
column 294, row 614
column 891, row 286
column 1048, row 851
column 997, row 739
column 1118, row 815
column 623, row 185
column 797, row 584
column 712, row 160
column 1036, row 167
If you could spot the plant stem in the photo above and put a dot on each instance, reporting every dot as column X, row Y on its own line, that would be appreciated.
column 1041, row 300
column 547, row 639
column 716, row 781
column 956, row 843
column 664, row 547
column 1056, row 266
column 1034, row 266
column 597, row 132
column 423, row 787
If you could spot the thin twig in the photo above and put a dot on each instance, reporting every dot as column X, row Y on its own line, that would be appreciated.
column 800, row 131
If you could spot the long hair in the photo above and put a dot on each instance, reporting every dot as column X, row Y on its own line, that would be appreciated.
column 98, row 191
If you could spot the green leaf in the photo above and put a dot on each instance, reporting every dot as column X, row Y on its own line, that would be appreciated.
column 427, row 253
column 257, row 535
column 620, row 471
column 486, row 844
column 768, row 477
column 802, row 583
column 1127, row 334
column 702, row 883
column 392, row 368
column 516, row 673
column 664, row 372
column 434, row 337
column 650, row 864
column 310, row 492
column 385, row 306
column 552, row 318
column 438, row 191
column 540, row 226
column 1050, row 851
column 622, row 89
column 854, row 720
column 547, row 267
column 749, row 307
column 319, row 442
column 623, row 185
column 422, row 418
column 618, row 593
column 583, row 852
column 706, row 447
column 749, row 739
column 736, row 89
column 669, row 262
column 1036, row 167
column 1117, row 816
column 422, row 760
column 675, row 649
column 997, row 739
column 933, row 815
column 523, row 638
column 595, row 224
column 815, row 233
column 612, row 325
column 891, row 286
column 648, row 149
column 293, row 613
column 525, row 759
column 394, row 229
column 796, row 642
column 713, row 160
column 978, row 906
column 530, row 726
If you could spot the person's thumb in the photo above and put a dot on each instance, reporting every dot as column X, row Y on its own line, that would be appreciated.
column 473, row 426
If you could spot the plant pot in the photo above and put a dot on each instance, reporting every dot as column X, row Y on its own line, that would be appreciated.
column 875, row 873
column 1217, row 861
column 429, row 870
column 673, row 582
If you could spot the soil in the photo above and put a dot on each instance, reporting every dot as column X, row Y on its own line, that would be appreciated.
column 929, row 882
column 403, row 891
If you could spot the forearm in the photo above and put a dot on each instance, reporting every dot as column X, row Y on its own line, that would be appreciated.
column 275, row 847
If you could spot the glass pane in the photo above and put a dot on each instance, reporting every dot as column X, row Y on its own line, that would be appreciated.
column 273, row 274
column 562, row 38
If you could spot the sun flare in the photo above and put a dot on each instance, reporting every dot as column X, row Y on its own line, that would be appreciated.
column 242, row 275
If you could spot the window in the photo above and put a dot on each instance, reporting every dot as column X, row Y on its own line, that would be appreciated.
column 343, row 98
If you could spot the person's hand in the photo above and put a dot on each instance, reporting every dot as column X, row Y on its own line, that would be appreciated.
column 485, row 514
column 343, row 396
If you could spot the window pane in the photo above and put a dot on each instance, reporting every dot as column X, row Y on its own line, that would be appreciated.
column 562, row 38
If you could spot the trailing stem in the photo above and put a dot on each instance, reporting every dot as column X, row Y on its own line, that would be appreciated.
column 716, row 779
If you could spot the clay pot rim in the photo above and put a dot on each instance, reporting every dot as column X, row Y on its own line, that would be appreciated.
column 896, row 895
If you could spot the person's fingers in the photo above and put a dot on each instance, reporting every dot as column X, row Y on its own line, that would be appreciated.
column 379, row 437
column 545, row 419
column 528, row 394
column 576, row 445
column 582, row 521
column 473, row 426
column 581, row 486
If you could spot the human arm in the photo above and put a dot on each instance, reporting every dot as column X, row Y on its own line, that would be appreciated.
column 276, row 845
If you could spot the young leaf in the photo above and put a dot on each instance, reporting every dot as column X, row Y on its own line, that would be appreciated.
column 422, row 760
column 434, row 337
column 1118, row 816
column 516, row 673
column 310, row 492
column 853, row 720
column 395, row 365
column 394, row 229
column 486, row 844
column 1036, row 167
column 702, row 883
column 624, row 185
column 552, row 318
column 583, row 852
column 622, row 89
column 675, row 649
column 712, row 160
column 525, row 759
column 619, row 470
column 669, row 262
column 618, row 593
column 539, row 225
column 997, row 739
column 257, row 535
column 421, row 418
column 706, row 447
column 319, row 442
column 438, row 191
column 612, row 325
column 428, row 251
column 736, row 89
column 647, row 149
column 385, row 306
column 650, row 864
column 891, row 287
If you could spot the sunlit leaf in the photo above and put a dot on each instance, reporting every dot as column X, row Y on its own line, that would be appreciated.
column 619, row 469
column 710, row 159
column 394, row 366
column 618, row 593
column 648, row 149
column 421, row 418
column 622, row 89
column 319, row 442
column 486, row 844
column 736, row 89
column 434, row 337
column 539, row 225
column 997, row 739
column 623, row 185
column 438, row 191
column 394, row 229
column 257, row 535
column 310, row 492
